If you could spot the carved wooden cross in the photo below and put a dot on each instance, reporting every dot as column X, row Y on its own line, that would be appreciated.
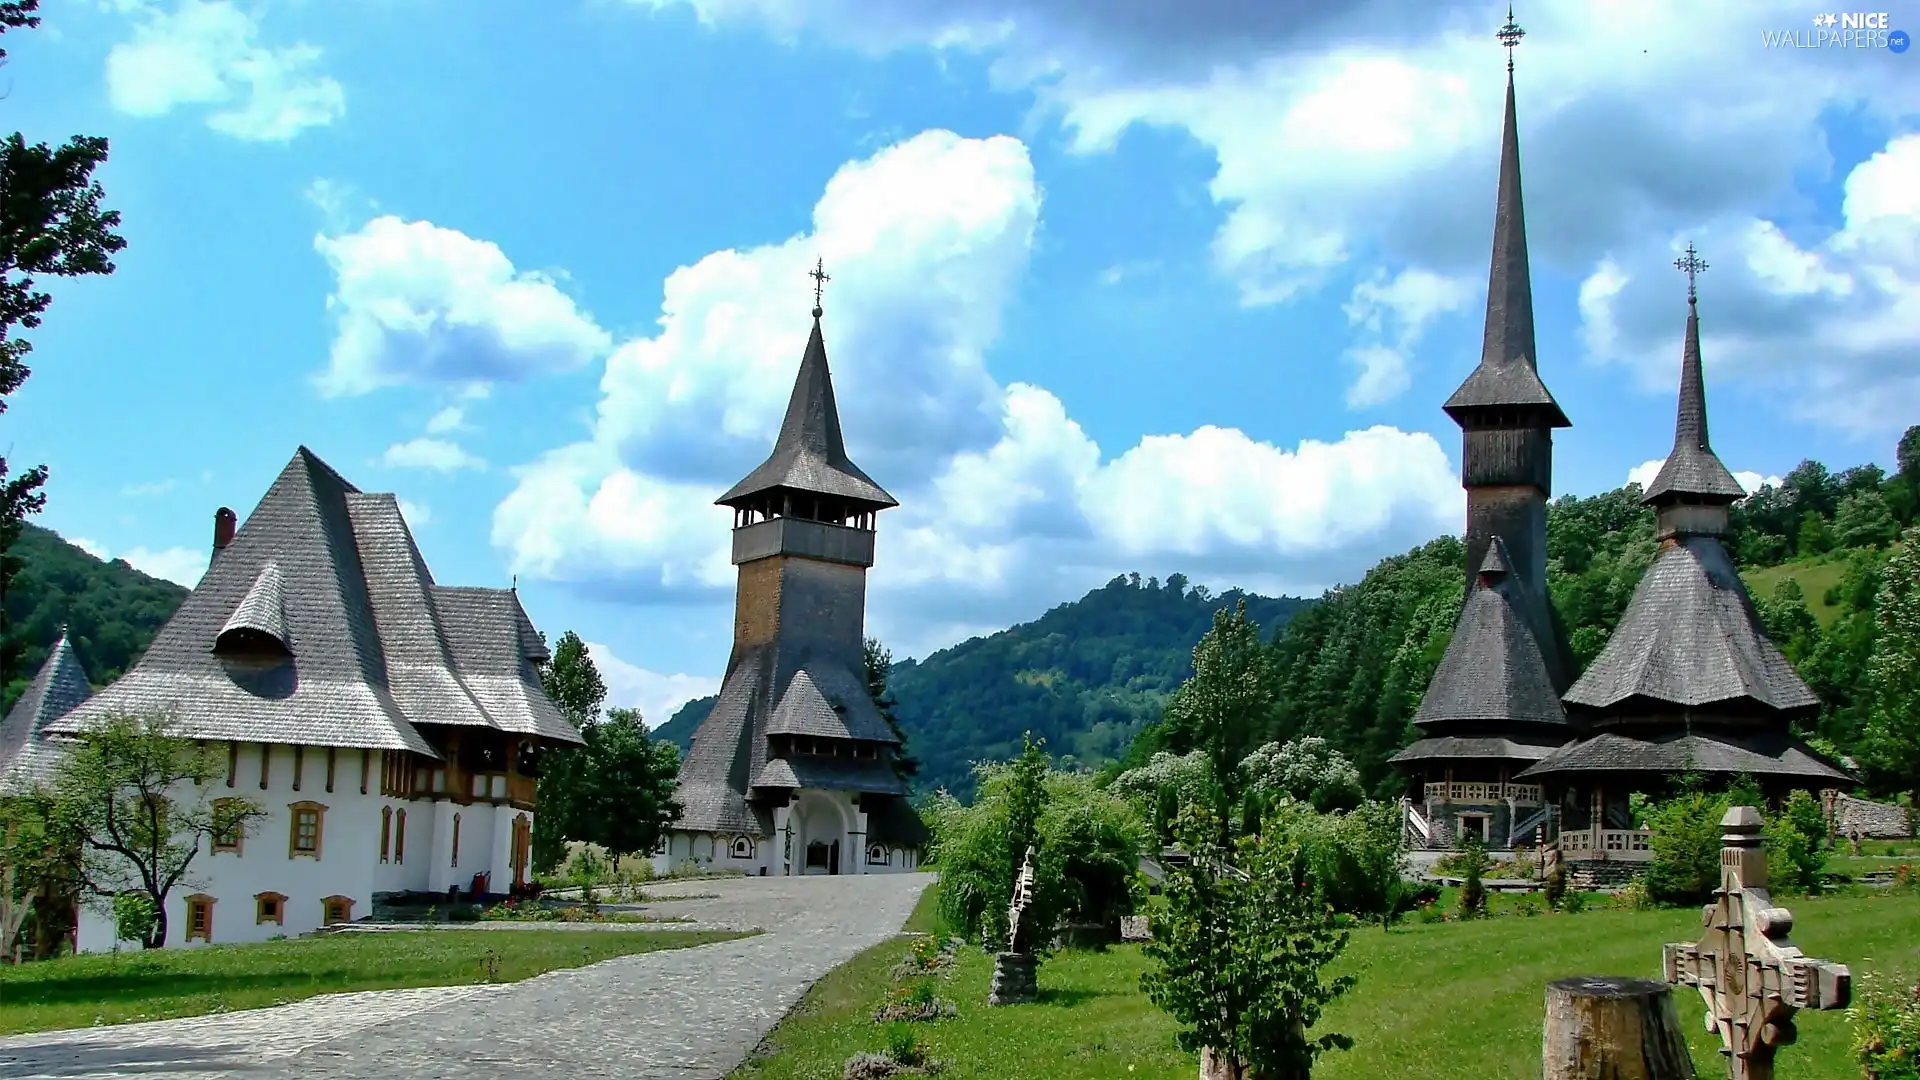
column 1022, row 898
column 1752, row 977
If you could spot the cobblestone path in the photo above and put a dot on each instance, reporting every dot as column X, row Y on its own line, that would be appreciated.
column 692, row 1014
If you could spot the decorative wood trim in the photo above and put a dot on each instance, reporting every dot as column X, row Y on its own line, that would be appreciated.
column 386, row 831
column 202, row 905
column 266, row 761
column 233, row 761
column 299, row 760
column 366, row 764
column 400, row 836
column 455, row 863
column 330, row 756
column 298, row 809
column 216, row 844
column 270, row 907
column 336, row 909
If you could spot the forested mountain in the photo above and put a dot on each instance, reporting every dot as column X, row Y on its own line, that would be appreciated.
column 1087, row 676
column 1352, row 667
column 110, row 609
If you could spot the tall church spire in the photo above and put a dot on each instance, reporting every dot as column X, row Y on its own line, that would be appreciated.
column 1693, row 473
column 810, row 455
column 1508, row 376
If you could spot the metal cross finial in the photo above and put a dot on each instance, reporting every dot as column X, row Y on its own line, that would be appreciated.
column 820, row 279
column 1510, row 36
column 1691, row 264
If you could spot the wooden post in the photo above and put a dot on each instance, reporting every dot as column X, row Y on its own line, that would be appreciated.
column 1603, row 1028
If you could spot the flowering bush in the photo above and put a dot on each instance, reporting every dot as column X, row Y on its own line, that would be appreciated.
column 1886, row 1028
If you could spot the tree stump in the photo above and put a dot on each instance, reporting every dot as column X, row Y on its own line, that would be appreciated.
column 1602, row 1028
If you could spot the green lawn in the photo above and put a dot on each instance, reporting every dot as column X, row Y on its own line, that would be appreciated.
column 1446, row 1001
column 1815, row 579
column 119, row 988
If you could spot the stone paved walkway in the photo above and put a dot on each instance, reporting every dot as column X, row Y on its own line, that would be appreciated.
column 691, row 1014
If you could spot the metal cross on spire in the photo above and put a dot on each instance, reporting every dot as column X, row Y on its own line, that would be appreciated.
column 820, row 279
column 1510, row 36
column 1691, row 264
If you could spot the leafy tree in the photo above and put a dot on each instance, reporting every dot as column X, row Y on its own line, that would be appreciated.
column 1686, row 847
column 1221, row 710
column 1241, row 953
column 1907, row 453
column 878, row 662
column 136, row 801
column 35, row 860
column 1863, row 519
column 1307, row 770
column 51, row 224
column 1026, row 802
column 1815, row 537
column 1892, row 740
column 1185, row 778
column 575, row 686
column 624, row 798
column 1473, row 864
column 1359, row 859
column 1789, row 622
column 1796, row 844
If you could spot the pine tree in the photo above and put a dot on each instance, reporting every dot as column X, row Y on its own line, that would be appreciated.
column 877, row 661
column 575, row 686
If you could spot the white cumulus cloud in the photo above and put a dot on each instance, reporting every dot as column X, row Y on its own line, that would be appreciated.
column 207, row 52
column 657, row 696
column 416, row 302
column 1645, row 472
column 416, row 515
column 180, row 565
column 439, row 455
column 1005, row 499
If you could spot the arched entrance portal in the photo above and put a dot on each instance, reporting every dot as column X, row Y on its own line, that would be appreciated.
column 819, row 835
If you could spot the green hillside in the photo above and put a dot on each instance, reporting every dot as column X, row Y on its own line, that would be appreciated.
column 110, row 609
column 1818, row 576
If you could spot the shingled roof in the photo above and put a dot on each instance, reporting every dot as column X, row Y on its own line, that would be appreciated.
column 26, row 757
column 1758, row 754
column 1691, row 637
column 1693, row 470
column 1493, row 679
column 809, row 455
column 1508, row 375
column 369, row 645
column 1475, row 748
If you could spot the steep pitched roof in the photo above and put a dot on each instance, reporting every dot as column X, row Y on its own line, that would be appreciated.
column 333, row 574
column 727, row 752
column 837, row 774
column 824, row 700
column 809, row 455
column 60, row 684
column 1455, row 747
column 1752, row 754
column 1691, row 637
column 1493, row 677
column 1508, row 375
column 1693, row 469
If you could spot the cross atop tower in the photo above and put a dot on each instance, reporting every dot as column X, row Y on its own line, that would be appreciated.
column 1510, row 36
column 1691, row 264
column 820, row 279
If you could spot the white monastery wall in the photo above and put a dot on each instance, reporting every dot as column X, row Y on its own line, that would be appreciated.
column 812, row 817
column 360, row 852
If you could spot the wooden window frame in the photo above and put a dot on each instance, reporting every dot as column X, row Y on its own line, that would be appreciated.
column 328, row 905
column 400, row 837
column 386, row 832
column 215, row 847
column 734, row 849
column 279, row 902
column 319, row 811
column 200, row 902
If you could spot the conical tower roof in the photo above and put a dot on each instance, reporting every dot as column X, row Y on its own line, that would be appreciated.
column 59, row 686
column 1508, row 376
column 1693, row 471
column 810, row 455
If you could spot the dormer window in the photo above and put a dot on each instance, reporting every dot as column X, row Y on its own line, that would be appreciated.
column 257, row 629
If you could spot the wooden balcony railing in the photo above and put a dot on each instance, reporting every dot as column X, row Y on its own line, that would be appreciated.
column 1485, row 793
column 1613, row 845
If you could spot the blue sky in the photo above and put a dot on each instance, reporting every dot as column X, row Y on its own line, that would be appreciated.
column 1114, row 288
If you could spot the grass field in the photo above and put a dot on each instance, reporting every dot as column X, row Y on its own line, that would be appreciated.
column 1815, row 579
column 1446, row 1001
column 119, row 988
